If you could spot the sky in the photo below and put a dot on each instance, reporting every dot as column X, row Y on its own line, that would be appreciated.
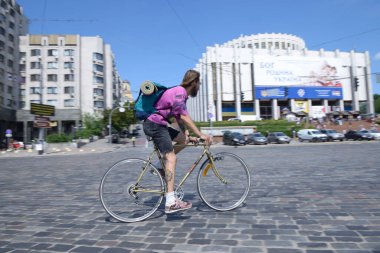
column 159, row 40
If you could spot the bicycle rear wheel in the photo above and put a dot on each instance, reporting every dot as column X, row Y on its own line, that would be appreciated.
column 127, row 199
column 228, row 190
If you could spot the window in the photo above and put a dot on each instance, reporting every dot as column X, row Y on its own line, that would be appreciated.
column 52, row 102
column 11, row 25
column 10, row 50
column 1, row 100
column 10, row 101
column 52, row 90
column 68, row 102
column 11, row 37
column 1, row 87
column 99, row 104
column 52, row 52
column 97, row 56
column 2, row 58
column 52, row 65
column 69, row 77
column 22, row 92
column 263, row 45
column 98, row 79
column 35, row 101
column 35, row 77
column 52, row 77
column 10, row 89
column 2, row 44
column 35, row 52
column 22, row 55
column 22, row 67
column 99, row 92
column 10, row 64
column 69, row 65
column 68, row 52
column 69, row 90
column 35, row 90
column 98, row 68
column 35, row 65
column 2, row 31
column 22, row 104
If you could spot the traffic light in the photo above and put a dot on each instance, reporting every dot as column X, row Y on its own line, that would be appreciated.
column 356, row 83
column 241, row 96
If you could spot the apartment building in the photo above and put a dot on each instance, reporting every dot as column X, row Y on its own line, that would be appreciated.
column 13, row 23
column 75, row 74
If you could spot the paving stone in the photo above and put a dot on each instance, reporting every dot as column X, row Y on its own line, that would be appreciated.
column 313, row 204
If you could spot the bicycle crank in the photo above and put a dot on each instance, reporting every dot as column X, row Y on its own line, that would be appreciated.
column 178, row 192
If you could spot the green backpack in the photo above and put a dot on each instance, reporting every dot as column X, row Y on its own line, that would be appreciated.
column 150, row 93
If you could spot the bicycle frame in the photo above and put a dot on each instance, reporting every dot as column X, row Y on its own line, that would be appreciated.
column 206, row 152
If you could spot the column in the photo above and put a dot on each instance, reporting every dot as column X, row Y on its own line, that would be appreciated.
column 292, row 105
column 326, row 105
column 274, row 109
column 310, row 106
column 257, row 108
column 368, row 84
column 59, row 124
column 236, row 75
column 25, row 131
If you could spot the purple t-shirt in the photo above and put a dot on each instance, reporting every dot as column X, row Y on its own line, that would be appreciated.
column 171, row 103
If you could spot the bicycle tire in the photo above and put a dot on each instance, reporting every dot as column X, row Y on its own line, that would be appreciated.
column 119, row 197
column 224, row 196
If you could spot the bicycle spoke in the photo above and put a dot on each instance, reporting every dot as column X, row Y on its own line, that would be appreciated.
column 124, row 198
column 225, row 186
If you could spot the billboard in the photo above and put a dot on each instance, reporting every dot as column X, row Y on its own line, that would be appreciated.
column 298, row 71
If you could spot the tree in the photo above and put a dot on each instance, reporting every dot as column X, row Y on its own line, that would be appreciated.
column 120, row 120
column 376, row 99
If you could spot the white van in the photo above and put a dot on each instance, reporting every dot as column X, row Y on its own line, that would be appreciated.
column 312, row 135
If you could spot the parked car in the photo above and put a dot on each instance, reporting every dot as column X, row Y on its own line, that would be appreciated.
column 312, row 135
column 257, row 139
column 233, row 138
column 278, row 137
column 234, row 119
column 372, row 132
column 357, row 135
column 333, row 135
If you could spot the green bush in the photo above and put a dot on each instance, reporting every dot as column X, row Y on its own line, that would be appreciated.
column 261, row 125
column 56, row 138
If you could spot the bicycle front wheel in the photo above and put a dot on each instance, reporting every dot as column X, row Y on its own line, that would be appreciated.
column 131, row 190
column 225, row 186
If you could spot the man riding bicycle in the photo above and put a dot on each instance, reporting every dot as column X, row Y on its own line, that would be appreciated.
column 173, row 104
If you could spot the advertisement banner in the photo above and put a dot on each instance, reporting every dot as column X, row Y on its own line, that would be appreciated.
column 301, row 106
column 315, row 92
column 298, row 71
column 265, row 92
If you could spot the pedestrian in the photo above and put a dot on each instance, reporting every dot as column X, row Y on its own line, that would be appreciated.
column 172, row 104
column 134, row 141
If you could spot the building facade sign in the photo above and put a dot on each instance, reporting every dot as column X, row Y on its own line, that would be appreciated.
column 303, row 92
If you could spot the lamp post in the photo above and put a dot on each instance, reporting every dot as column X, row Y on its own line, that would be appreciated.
column 121, row 109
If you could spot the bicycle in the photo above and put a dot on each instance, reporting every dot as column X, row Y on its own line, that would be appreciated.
column 132, row 189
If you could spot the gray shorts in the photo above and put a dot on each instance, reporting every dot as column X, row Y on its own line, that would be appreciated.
column 162, row 135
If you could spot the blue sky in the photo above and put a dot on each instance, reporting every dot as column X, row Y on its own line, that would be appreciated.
column 160, row 39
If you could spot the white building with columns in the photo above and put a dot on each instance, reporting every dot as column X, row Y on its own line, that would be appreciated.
column 258, row 76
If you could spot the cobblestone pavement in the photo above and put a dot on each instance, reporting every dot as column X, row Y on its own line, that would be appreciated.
column 316, row 198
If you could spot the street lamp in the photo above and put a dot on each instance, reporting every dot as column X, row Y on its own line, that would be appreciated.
column 121, row 109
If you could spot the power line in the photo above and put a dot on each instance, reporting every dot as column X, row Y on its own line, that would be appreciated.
column 183, row 24
column 346, row 37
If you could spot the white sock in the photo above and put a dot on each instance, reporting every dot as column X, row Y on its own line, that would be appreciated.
column 170, row 199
